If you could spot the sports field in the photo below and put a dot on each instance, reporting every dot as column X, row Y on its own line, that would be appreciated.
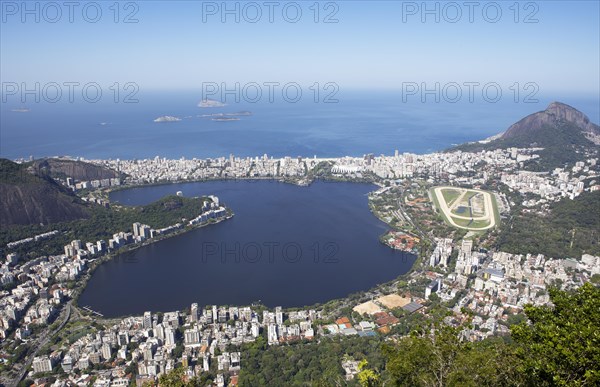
column 469, row 209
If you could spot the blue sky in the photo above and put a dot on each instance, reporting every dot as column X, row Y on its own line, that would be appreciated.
column 371, row 47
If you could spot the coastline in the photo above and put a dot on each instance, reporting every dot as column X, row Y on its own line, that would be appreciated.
column 249, row 178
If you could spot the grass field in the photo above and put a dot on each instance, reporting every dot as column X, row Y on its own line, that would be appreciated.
column 479, row 224
column 450, row 195
column 463, row 222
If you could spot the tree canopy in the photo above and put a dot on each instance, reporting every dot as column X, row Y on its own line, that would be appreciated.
column 561, row 344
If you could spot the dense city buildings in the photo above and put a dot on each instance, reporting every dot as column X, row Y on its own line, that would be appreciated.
column 484, row 285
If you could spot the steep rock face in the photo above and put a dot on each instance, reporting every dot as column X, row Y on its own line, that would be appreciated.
column 29, row 199
column 556, row 113
column 69, row 168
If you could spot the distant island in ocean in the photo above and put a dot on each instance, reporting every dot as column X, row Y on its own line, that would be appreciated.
column 210, row 103
column 225, row 117
column 167, row 119
column 235, row 114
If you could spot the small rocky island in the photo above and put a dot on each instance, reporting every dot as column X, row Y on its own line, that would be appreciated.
column 210, row 103
column 167, row 119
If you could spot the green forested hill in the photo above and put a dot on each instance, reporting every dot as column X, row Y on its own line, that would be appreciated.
column 103, row 223
column 569, row 229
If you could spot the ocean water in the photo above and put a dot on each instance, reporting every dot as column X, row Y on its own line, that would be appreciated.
column 360, row 123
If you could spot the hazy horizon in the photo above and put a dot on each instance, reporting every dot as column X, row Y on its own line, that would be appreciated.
column 356, row 44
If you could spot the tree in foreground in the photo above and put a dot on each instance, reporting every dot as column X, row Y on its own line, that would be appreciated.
column 177, row 378
column 366, row 376
column 441, row 358
column 560, row 346
column 557, row 345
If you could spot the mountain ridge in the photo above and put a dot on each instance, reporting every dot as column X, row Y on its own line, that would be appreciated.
column 29, row 198
column 565, row 134
column 555, row 112
column 78, row 170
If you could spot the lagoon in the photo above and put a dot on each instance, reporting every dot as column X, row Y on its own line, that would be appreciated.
column 287, row 246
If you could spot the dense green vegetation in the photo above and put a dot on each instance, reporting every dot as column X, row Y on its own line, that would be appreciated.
column 300, row 364
column 561, row 346
column 563, row 144
column 103, row 223
column 443, row 359
column 12, row 173
column 310, row 363
column 571, row 228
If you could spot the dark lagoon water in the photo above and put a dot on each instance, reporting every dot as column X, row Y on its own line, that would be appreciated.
column 286, row 245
